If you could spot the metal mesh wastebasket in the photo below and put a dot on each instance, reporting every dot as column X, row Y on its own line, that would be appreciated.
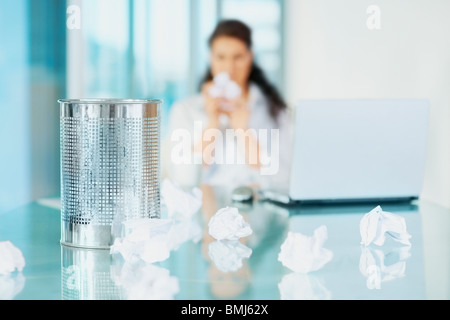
column 110, row 167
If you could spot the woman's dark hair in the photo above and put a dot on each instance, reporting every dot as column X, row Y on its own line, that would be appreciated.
column 239, row 30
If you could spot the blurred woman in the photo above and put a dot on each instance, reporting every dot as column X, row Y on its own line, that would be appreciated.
column 239, row 123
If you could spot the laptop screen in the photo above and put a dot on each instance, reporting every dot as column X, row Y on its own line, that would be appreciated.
column 359, row 149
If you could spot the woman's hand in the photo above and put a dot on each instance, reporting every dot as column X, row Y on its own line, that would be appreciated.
column 212, row 106
column 239, row 121
column 237, row 109
column 240, row 114
column 213, row 111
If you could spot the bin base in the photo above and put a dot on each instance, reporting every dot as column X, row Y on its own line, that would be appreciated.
column 86, row 236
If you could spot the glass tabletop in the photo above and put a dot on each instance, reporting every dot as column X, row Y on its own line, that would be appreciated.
column 201, row 268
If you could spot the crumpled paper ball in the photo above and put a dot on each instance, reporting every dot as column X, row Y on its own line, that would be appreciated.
column 11, row 286
column 300, row 286
column 142, row 281
column 146, row 239
column 180, row 204
column 184, row 231
column 11, row 258
column 228, row 224
column 227, row 255
column 379, row 266
column 152, row 240
column 375, row 225
column 304, row 254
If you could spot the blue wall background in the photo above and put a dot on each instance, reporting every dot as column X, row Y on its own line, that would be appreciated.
column 15, row 169
column 32, row 78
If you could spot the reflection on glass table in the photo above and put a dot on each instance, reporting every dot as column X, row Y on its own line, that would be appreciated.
column 202, row 268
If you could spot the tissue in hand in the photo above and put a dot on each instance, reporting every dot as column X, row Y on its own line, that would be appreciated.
column 229, row 224
column 11, row 258
column 304, row 254
column 225, row 88
column 377, row 223
column 227, row 255
column 180, row 204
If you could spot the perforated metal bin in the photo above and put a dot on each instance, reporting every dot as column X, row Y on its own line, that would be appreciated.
column 110, row 167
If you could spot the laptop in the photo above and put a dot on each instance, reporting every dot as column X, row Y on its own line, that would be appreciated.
column 356, row 151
